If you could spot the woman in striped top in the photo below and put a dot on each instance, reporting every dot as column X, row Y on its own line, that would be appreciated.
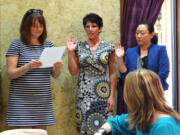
column 30, row 102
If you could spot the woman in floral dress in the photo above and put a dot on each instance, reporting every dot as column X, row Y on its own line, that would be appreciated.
column 95, row 61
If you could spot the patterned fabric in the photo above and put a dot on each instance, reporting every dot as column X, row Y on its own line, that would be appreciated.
column 93, row 87
column 30, row 102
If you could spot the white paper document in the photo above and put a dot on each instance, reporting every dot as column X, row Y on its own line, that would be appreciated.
column 50, row 55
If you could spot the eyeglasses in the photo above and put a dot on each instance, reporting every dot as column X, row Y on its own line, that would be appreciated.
column 31, row 11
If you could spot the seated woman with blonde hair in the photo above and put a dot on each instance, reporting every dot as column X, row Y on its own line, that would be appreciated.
column 148, row 112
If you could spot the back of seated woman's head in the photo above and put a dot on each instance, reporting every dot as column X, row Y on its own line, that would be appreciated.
column 143, row 90
column 144, row 95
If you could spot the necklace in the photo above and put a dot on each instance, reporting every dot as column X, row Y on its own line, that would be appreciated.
column 93, row 48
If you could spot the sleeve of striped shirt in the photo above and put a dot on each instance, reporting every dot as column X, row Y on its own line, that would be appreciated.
column 48, row 43
column 14, row 49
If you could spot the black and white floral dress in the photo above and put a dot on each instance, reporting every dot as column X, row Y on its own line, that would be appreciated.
column 93, row 86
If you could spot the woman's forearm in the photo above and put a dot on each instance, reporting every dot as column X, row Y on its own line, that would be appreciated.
column 14, row 73
column 112, row 74
column 122, row 67
column 113, row 80
column 73, row 63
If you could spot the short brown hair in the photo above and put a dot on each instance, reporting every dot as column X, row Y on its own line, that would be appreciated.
column 30, row 16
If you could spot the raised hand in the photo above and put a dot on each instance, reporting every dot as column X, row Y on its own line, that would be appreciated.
column 119, row 50
column 71, row 45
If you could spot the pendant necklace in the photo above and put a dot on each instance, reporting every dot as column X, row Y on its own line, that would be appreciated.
column 94, row 47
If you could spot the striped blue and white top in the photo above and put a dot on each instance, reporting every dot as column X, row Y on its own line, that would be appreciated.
column 30, row 102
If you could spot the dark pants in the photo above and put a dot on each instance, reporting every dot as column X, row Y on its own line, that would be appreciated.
column 121, row 105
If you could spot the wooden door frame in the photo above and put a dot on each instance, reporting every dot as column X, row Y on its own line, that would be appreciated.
column 178, row 51
column 121, row 13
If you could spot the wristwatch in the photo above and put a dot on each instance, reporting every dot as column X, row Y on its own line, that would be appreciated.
column 102, row 131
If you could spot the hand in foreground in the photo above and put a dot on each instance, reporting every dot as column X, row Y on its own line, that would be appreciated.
column 71, row 45
column 33, row 64
column 110, row 104
column 119, row 51
column 101, row 131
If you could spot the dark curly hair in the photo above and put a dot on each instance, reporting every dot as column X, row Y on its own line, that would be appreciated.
column 93, row 18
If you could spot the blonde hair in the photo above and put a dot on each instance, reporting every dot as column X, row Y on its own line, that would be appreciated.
column 143, row 94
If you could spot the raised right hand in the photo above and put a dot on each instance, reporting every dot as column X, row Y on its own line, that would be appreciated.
column 71, row 45
column 119, row 50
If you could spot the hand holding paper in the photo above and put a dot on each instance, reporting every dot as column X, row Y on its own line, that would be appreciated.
column 55, row 70
column 33, row 64
column 51, row 55
column 58, row 65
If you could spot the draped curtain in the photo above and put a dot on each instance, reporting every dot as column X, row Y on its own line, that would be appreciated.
column 134, row 12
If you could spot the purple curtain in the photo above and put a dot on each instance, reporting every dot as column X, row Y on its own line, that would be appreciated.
column 134, row 12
